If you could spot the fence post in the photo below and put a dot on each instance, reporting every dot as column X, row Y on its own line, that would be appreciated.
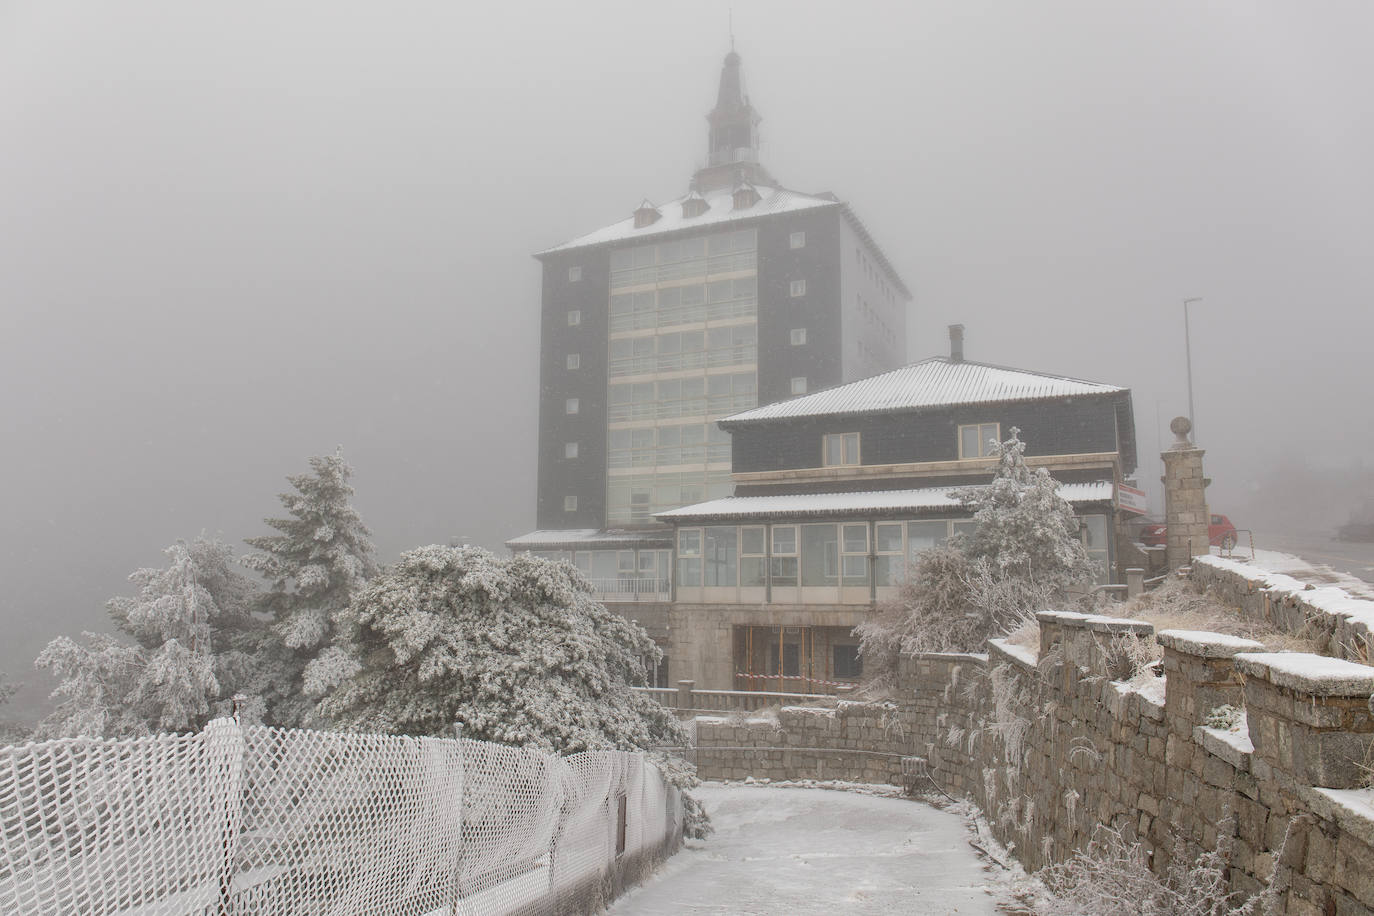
column 684, row 694
column 457, row 897
column 225, row 747
column 1135, row 582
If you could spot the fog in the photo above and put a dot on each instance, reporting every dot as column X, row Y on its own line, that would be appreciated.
column 233, row 236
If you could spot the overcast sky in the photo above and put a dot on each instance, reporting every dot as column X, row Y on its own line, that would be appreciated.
column 236, row 235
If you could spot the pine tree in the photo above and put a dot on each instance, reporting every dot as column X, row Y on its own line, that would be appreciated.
column 190, row 623
column 517, row 650
column 1025, row 531
column 319, row 559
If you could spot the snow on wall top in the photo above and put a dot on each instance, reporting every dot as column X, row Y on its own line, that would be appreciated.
column 935, row 382
column 721, row 209
column 1315, row 674
column 850, row 503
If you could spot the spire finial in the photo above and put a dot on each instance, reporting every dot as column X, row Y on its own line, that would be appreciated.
column 732, row 28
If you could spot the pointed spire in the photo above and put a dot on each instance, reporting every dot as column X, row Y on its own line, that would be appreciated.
column 734, row 133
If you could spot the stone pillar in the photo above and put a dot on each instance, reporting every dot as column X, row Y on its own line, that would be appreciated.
column 684, row 694
column 1185, row 498
column 1135, row 582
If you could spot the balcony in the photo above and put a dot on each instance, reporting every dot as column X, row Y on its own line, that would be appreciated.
column 619, row 591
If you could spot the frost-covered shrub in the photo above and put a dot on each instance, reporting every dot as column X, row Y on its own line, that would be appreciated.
column 516, row 650
column 1023, row 556
column 1111, row 877
column 190, row 627
column 1224, row 717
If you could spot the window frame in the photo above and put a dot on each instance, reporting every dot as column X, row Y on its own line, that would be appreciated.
column 572, row 406
column 570, row 449
column 798, row 337
column 796, row 289
column 797, row 239
column 575, row 273
column 982, row 440
column 570, row 503
column 573, row 361
column 844, row 440
column 574, row 317
column 794, row 385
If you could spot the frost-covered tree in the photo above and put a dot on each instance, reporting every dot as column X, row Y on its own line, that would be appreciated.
column 517, row 650
column 1023, row 555
column 1023, row 528
column 315, row 564
column 190, row 623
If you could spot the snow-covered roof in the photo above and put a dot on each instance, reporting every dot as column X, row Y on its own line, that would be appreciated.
column 825, row 504
column 935, row 382
column 720, row 202
column 587, row 538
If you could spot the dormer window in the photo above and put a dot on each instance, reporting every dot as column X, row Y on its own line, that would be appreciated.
column 978, row 439
column 694, row 206
column 646, row 215
column 746, row 196
column 840, row 449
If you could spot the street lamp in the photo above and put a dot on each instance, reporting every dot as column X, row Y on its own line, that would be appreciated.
column 1188, row 354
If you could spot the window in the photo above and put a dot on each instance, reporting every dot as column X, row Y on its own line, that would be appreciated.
column 798, row 288
column 841, row 449
column 689, row 557
column 797, row 240
column 922, row 536
column 570, row 504
column 574, row 360
column 820, row 556
column 784, row 564
column 887, row 544
column 799, row 385
column 1093, row 530
column 976, row 441
column 854, row 554
column 574, row 318
column 752, row 561
column 722, row 556
column 574, row 274
column 569, row 449
column 847, row 661
column 798, row 336
column 571, row 405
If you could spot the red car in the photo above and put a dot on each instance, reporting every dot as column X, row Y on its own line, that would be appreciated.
column 1220, row 532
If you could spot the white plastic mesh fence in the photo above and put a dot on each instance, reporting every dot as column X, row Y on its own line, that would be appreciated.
column 251, row 820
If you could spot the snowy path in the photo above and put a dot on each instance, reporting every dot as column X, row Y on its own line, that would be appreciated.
column 817, row 851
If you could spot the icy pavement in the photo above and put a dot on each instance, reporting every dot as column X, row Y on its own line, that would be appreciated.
column 800, row 851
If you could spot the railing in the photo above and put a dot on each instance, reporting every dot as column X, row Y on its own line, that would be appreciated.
column 653, row 589
column 248, row 820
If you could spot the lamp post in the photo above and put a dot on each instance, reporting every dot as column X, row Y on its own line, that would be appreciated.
column 1188, row 355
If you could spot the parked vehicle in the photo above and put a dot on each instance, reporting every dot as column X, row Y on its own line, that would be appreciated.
column 1220, row 532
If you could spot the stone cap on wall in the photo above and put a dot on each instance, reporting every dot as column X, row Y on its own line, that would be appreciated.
column 1099, row 623
column 1318, row 675
column 1206, row 644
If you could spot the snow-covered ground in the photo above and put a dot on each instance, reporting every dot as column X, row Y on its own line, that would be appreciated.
column 803, row 851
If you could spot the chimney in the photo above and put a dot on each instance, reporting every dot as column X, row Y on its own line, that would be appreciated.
column 956, row 343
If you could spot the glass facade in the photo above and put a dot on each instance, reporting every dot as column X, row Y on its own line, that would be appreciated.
column 830, row 554
column 683, row 354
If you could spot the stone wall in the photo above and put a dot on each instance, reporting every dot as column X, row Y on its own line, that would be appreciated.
column 1052, row 742
column 1342, row 624
column 850, row 742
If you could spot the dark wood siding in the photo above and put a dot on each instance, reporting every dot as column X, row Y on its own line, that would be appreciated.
column 1058, row 427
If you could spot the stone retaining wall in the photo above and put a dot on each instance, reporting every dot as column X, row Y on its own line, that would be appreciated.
column 1052, row 742
column 1341, row 624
